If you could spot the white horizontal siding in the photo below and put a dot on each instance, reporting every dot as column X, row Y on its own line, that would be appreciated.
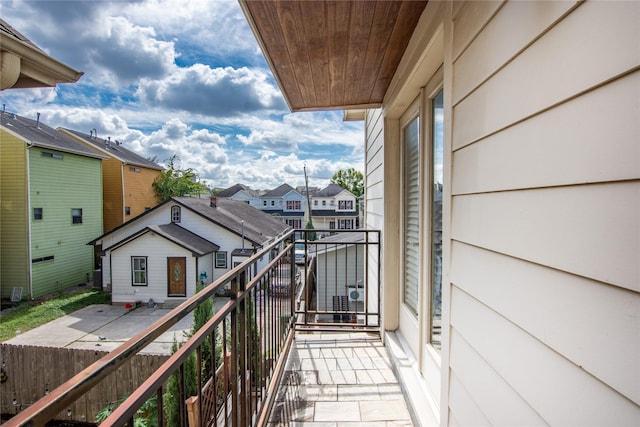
column 589, row 230
column 469, row 19
column 601, row 144
column 594, row 325
column 486, row 398
column 462, row 405
column 567, row 60
column 375, row 170
column 561, row 392
column 157, row 249
column 545, row 219
column 523, row 21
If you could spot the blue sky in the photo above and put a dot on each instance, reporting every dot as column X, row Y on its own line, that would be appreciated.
column 179, row 77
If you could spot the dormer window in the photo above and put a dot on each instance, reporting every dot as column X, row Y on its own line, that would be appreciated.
column 175, row 214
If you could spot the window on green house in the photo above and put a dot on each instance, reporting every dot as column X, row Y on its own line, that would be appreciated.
column 37, row 214
column 76, row 216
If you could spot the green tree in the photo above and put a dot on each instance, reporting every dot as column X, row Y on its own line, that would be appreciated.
column 349, row 179
column 174, row 181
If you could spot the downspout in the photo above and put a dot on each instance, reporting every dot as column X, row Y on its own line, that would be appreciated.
column 30, row 279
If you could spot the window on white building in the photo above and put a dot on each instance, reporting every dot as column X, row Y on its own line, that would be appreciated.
column 175, row 214
column 139, row 270
column 221, row 259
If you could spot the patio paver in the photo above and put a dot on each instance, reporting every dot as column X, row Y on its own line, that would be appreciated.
column 339, row 380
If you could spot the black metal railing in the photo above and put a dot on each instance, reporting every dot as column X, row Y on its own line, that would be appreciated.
column 227, row 372
column 224, row 374
column 342, row 280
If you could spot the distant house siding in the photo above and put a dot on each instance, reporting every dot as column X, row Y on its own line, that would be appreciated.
column 545, row 223
column 338, row 267
column 157, row 249
column 113, row 198
column 59, row 185
column 14, row 216
column 138, row 189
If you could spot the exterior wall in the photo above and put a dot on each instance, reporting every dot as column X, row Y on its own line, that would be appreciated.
column 113, row 210
column 294, row 196
column 545, row 199
column 336, row 269
column 14, row 216
column 226, row 240
column 541, row 209
column 157, row 249
column 59, row 185
column 138, row 189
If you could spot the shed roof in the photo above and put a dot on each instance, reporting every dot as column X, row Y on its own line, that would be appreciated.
column 176, row 234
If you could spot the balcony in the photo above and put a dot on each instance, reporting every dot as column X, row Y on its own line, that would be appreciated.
column 298, row 340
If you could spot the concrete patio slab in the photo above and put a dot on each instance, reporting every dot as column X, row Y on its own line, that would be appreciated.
column 104, row 327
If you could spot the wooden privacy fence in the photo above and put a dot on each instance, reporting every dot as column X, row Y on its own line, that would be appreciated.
column 30, row 372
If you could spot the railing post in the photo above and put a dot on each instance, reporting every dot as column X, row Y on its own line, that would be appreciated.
column 234, row 354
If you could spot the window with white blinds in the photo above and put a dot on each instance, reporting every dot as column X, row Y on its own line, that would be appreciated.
column 411, row 209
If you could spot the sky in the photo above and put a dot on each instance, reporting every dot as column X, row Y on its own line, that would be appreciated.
column 184, row 78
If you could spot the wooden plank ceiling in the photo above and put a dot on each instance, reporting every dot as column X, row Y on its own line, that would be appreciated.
column 333, row 54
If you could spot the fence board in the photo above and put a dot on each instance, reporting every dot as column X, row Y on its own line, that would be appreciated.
column 31, row 370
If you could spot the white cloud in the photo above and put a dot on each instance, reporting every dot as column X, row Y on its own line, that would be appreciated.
column 211, row 91
column 169, row 77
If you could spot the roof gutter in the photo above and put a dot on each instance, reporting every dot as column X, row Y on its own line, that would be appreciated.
column 35, row 64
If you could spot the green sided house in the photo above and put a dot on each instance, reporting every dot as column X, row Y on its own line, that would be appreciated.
column 50, row 207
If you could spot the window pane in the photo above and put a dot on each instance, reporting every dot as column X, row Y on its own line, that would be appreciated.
column 436, row 221
column 76, row 216
column 411, row 223
column 139, row 271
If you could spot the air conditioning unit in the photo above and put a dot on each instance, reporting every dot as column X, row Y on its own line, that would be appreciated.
column 356, row 292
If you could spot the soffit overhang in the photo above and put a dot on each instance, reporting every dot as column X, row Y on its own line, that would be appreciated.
column 329, row 55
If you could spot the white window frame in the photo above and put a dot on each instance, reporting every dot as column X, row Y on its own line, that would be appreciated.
column 219, row 261
column 140, row 268
column 176, row 214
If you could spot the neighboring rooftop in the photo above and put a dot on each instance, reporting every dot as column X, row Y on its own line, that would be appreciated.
column 235, row 189
column 112, row 148
column 329, row 191
column 259, row 227
column 278, row 192
column 36, row 133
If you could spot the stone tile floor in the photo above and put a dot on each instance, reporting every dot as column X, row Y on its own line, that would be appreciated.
column 339, row 380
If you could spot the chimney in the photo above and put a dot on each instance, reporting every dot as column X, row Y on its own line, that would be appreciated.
column 37, row 120
column 213, row 201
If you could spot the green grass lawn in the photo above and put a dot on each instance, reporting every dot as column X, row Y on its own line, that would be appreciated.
column 32, row 314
